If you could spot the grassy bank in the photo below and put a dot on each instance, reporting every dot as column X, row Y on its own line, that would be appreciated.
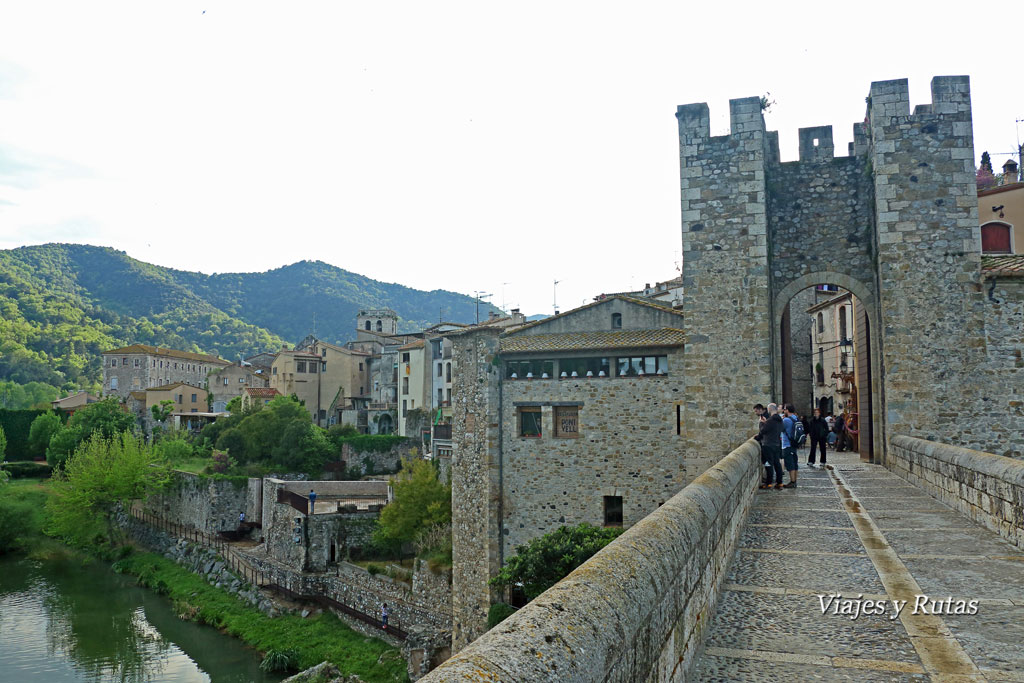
column 313, row 640
column 22, row 515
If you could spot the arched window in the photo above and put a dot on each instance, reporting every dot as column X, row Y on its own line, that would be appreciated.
column 842, row 323
column 380, row 327
column 821, row 323
column 616, row 321
column 367, row 325
column 995, row 238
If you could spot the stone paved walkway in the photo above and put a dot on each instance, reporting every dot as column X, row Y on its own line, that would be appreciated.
column 861, row 531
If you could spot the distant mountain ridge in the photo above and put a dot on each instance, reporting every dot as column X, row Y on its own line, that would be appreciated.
column 62, row 305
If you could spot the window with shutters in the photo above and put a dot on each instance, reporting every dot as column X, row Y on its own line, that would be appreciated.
column 995, row 238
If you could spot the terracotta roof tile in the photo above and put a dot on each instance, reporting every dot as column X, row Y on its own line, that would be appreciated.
column 1010, row 265
column 418, row 344
column 262, row 392
column 580, row 341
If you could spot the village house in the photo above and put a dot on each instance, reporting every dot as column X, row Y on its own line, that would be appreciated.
column 1001, row 214
column 258, row 396
column 139, row 367
column 833, row 353
column 70, row 404
column 326, row 377
column 187, row 403
column 228, row 382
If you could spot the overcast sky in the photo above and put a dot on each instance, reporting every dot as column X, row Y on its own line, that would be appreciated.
column 456, row 145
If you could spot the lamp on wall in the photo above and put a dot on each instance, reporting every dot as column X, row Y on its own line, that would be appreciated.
column 846, row 345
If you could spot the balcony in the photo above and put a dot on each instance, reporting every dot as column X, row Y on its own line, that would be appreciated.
column 443, row 431
column 382, row 406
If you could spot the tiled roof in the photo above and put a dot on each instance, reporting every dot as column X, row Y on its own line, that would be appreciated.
column 631, row 299
column 262, row 392
column 139, row 395
column 418, row 344
column 1010, row 265
column 173, row 353
column 579, row 341
column 172, row 385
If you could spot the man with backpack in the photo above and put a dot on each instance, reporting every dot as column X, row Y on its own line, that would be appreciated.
column 790, row 435
column 819, row 436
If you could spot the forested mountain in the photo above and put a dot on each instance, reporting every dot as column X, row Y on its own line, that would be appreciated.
column 62, row 305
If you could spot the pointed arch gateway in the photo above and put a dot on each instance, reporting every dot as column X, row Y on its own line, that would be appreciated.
column 868, row 325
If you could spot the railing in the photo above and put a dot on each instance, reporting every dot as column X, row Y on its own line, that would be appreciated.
column 383, row 406
column 442, row 431
column 266, row 579
column 300, row 503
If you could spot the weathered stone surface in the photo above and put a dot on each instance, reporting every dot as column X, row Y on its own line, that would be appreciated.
column 637, row 610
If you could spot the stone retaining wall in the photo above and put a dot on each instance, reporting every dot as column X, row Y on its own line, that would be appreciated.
column 987, row 488
column 636, row 611
column 206, row 503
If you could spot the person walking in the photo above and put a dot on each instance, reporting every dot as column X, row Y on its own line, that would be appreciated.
column 312, row 502
column 788, row 438
column 769, row 436
column 818, row 432
column 840, row 430
column 384, row 616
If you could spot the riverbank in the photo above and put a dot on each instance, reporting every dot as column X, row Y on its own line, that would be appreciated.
column 306, row 641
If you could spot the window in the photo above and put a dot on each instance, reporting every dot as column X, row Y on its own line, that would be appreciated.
column 113, row 362
column 642, row 365
column 175, row 366
column 136, row 384
column 524, row 369
column 820, row 368
column 567, row 421
column 529, row 421
column 404, row 402
column 679, row 420
column 113, row 383
column 323, row 414
column 821, row 323
column 440, row 396
column 360, row 389
column 323, row 352
column 194, row 398
column 616, row 321
column 300, row 366
column 241, row 380
column 613, row 510
column 583, row 366
column 273, row 371
column 360, row 367
column 367, row 326
column 448, row 393
column 380, row 327
column 440, row 369
column 180, row 397
column 161, row 364
column 995, row 238
column 124, row 360
column 136, row 362
column 323, row 367
column 195, row 410
column 405, row 385
column 448, row 372
column 225, row 381
column 405, row 357
column 154, row 363
column 842, row 323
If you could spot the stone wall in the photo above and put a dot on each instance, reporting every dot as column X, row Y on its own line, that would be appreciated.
column 999, row 426
column 627, row 446
column 726, row 300
column 363, row 463
column 476, row 481
column 987, row 488
column 207, row 503
column 636, row 611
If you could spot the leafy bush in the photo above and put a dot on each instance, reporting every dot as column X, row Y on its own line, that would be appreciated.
column 16, row 425
column 14, row 524
column 499, row 612
column 420, row 501
column 42, row 430
column 106, row 418
column 374, row 569
column 548, row 559
column 174, row 449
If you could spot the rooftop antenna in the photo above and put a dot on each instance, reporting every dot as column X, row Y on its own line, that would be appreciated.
column 554, row 291
column 503, row 309
column 479, row 295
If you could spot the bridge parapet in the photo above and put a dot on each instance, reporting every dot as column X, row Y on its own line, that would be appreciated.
column 987, row 488
column 638, row 609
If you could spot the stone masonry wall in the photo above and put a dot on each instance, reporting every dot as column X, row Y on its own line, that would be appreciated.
column 999, row 426
column 475, row 482
column 726, row 301
column 987, row 488
column 638, row 609
column 627, row 447
column 375, row 462
column 205, row 503
column 928, row 257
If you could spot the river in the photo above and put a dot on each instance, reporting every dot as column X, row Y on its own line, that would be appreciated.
column 60, row 621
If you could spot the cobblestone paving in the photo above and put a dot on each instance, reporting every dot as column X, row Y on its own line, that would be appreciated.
column 858, row 530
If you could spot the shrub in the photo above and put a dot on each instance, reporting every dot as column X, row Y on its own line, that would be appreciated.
column 499, row 612
column 42, row 430
column 28, row 470
column 374, row 569
column 16, row 425
column 14, row 524
column 279, row 660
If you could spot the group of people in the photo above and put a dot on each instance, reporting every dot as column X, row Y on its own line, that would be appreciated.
column 780, row 431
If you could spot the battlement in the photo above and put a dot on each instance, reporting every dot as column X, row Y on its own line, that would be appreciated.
column 816, row 143
column 889, row 99
column 744, row 117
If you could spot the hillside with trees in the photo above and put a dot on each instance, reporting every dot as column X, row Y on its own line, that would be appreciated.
column 62, row 305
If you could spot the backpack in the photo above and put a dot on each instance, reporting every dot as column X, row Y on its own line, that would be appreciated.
column 798, row 435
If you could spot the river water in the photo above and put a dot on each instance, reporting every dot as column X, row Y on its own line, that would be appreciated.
column 60, row 621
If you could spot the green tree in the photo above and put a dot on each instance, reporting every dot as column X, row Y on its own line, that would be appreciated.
column 163, row 411
column 986, row 162
column 107, row 418
column 42, row 430
column 420, row 501
column 235, row 405
column 3, row 444
column 104, row 474
column 303, row 448
column 548, row 559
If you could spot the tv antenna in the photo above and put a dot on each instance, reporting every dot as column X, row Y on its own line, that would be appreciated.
column 554, row 291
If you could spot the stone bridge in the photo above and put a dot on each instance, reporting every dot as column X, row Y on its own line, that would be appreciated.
column 726, row 582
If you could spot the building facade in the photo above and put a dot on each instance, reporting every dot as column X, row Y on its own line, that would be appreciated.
column 231, row 381
column 139, row 367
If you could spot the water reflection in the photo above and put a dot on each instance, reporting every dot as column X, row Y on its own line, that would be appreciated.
column 64, row 622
